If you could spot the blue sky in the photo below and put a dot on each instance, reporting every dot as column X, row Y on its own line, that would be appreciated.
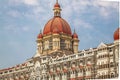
column 21, row 20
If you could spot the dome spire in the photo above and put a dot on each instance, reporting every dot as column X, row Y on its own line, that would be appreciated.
column 40, row 34
column 57, row 10
column 75, row 34
column 56, row 1
column 74, row 30
column 40, row 30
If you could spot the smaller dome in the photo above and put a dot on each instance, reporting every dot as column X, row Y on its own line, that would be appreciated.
column 75, row 35
column 56, row 5
column 40, row 35
column 116, row 34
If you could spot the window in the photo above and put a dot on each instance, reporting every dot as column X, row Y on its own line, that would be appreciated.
column 112, row 75
column 46, row 44
column 37, row 78
column 111, row 64
column 44, row 58
column 81, row 54
column 111, row 55
column 38, row 72
column 110, row 50
column 55, row 43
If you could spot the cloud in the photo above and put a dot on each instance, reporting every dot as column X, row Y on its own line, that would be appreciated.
column 76, row 5
column 16, row 29
column 30, row 2
column 78, row 23
column 105, row 8
column 25, row 28
column 26, row 2
column 111, row 0
column 104, row 12
column 14, row 13
column 81, row 9
column 39, row 8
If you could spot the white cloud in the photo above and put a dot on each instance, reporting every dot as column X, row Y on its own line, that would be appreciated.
column 111, row 0
column 105, row 8
column 69, row 8
column 26, row 2
column 25, row 28
column 17, row 29
column 30, row 2
column 14, row 13
column 11, row 28
column 104, row 12
column 78, row 23
column 67, row 12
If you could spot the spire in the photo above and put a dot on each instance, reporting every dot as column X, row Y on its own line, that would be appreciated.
column 57, row 10
column 74, row 30
column 56, row 1
column 75, row 34
column 40, row 30
column 40, row 34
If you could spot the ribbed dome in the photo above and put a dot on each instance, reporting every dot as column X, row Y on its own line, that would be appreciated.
column 75, row 35
column 116, row 34
column 39, row 35
column 57, row 25
column 56, row 5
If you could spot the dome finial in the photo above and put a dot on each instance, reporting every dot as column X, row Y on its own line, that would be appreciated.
column 40, row 34
column 40, row 30
column 56, row 1
column 74, row 30
column 75, row 34
column 57, row 9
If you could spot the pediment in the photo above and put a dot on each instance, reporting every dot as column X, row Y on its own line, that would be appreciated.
column 37, row 54
column 102, row 45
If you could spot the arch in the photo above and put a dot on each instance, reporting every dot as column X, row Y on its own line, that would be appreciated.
column 112, row 75
column 37, row 64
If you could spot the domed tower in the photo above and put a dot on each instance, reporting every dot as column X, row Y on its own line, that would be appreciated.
column 116, row 35
column 39, row 42
column 57, row 38
column 75, row 42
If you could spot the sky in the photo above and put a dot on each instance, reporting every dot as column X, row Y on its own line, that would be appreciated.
column 21, row 21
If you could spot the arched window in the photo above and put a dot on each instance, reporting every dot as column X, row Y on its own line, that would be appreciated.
column 111, row 64
column 37, row 78
column 112, row 75
column 38, row 71
column 46, row 45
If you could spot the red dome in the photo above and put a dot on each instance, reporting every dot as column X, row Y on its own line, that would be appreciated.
column 56, row 5
column 116, row 34
column 75, row 35
column 39, row 35
column 55, row 30
column 57, row 25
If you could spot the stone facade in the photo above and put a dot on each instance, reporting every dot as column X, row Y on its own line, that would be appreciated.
column 57, row 57
column 94, row 63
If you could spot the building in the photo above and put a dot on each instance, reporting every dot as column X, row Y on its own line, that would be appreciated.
column 57, row 56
